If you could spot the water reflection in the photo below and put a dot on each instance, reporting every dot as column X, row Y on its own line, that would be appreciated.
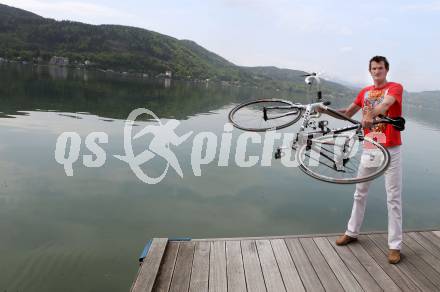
column 50, row 88
column 167, row 82
column 54, row 88
column 58, row 72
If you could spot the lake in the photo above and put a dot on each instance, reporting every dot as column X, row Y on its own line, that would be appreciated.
column 85, row 232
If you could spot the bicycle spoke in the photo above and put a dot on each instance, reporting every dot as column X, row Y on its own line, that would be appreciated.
column 250, row 116
column 327, row 161
column 319, row 161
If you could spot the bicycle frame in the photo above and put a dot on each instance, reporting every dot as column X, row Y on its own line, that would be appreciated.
column 309, row 114
column 307, row 138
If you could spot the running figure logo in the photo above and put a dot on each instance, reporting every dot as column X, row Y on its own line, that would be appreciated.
column 163, row 136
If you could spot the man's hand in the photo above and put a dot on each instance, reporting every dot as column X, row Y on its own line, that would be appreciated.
column 380, row 109
column 367, row 120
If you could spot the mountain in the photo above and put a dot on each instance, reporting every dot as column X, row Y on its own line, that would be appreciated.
column 26, row 36
column 425, row 99
column 16, row 13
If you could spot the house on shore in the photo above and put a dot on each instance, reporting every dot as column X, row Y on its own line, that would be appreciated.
column 59, row 61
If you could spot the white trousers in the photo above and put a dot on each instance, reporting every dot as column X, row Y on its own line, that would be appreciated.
column 393, row 186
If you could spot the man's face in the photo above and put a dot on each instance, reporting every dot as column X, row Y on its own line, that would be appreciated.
column 378, row 71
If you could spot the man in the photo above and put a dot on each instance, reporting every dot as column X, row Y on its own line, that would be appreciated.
column 382, row 98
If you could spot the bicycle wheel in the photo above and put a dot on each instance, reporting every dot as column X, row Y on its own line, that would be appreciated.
column 343, row 159
column 265, row 114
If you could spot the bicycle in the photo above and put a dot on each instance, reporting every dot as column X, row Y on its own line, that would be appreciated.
column 330, row 155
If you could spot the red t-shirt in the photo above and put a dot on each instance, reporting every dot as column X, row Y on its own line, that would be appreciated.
column 371, row 96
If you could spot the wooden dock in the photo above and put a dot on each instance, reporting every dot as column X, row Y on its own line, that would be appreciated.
column 291, row 263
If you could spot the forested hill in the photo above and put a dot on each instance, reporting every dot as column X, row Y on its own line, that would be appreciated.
column 26, row 36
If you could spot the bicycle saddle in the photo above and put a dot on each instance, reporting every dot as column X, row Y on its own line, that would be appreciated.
column 398, row 123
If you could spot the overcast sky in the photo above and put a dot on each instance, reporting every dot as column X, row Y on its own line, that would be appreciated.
column 336, row 37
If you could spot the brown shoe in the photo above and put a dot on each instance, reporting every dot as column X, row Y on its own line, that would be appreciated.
column 345, row 239
column 393, row 256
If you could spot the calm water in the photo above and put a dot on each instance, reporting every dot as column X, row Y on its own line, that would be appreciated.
column 84, row 233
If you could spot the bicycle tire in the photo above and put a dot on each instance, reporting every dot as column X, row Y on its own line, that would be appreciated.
column 254, row 117
column 314, row 171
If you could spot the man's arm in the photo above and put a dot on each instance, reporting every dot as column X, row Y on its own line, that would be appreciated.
column 380, row 109
column 351, row 110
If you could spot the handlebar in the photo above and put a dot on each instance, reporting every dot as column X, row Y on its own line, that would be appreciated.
column 398, row 123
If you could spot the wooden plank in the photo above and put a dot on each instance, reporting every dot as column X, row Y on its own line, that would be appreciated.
column 182, row 269
column 323, row 270
column 381, row 277
column 422, row 253
column 150, row 266
column 166, row 269
column 252, row 268
column 200, row 269
column 427, row 270
column 299, row 236
column 363, row 277
column 341, row 271
column 217, row 267
column 267, row 237
column 393, row 271
column 415, row 259
column 405, row 265
column 436, row 233
column 234, row 267
column 433, row 238
column 305, row 269
column 269, row 266
column 426, row 243
column 289, row 273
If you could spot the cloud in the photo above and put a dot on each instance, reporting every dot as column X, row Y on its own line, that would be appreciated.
column 426, row 7
column 295, row 16
column 72, row 10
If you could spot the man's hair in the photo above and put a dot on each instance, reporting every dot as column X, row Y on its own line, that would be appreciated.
column 379, row 59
